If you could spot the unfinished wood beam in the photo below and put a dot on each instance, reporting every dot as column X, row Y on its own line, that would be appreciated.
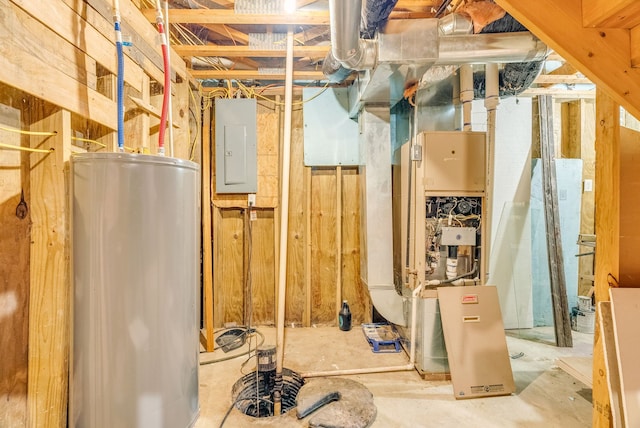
column 560, row 93
column 602, row 55
column 236, row 36
column 49, row 300
column 229, row 17
column 567, row 79
column 559, row 299
column 634, row 36
column 338, row 242
column 607, row 215
column 207, row 236
column 610, row 13
column 314, row 52
column 254, row 74
column 308, row 247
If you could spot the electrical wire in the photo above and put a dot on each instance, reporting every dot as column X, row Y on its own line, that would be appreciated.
column 231, row 357
column 25, row 149
column 20, row 131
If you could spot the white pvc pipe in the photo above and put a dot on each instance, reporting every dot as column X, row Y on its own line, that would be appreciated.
column 284, row 210
column 491, row 101
column 412, row 353
column 170, row 104
column 466, row 94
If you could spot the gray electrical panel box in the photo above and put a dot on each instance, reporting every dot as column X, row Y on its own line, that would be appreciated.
column 236, row 145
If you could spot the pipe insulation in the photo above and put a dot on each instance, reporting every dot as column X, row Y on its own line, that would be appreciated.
column 120, row 76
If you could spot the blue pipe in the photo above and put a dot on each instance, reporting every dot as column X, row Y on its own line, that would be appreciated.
column 120, row 86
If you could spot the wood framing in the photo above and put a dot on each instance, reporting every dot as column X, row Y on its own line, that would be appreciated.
column 207, row 237
column 610, row 13
column 607, row 237
column 49, row 278
column 602, row 55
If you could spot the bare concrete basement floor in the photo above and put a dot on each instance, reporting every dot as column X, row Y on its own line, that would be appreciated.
column 546, row 396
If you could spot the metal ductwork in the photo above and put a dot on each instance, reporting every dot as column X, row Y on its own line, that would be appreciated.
column 400, row 55
column 405, row 49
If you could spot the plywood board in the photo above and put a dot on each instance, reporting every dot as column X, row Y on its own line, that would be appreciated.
column 578, row 367
column 263, row 300
column 625, row 307
column 475, row 341
column 605, row 321
column 14, row 271
column 323, row 250
column 228, row 256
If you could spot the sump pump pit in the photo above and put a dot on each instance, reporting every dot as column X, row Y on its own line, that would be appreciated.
column 252, row 394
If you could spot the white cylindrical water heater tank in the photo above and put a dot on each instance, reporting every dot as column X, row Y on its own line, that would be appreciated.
column 135, row 258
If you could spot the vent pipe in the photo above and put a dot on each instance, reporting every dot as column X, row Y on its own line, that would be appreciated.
column 347, row 47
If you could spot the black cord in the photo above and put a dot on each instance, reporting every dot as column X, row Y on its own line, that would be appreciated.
column 231, row 357
column 237, row 400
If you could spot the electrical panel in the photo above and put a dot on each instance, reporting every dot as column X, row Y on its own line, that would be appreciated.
column 236, row 145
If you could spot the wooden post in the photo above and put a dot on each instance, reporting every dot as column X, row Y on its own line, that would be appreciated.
column 561, row 318
column 338, row 241
column 607, row 236
column 207, row 237
column 49, row 300
column 308, row 242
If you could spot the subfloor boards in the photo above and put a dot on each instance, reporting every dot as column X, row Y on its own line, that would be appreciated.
column 546, row 396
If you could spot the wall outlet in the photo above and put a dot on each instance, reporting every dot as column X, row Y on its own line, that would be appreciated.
column 252, row 200
column 588, row 185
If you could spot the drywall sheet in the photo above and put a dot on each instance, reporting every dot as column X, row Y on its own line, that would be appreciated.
column 625, row 307
column 330, row 136
column 475, row 341
column 510, row 258
column 511, row 265
column 611, row 360
column 569, row 176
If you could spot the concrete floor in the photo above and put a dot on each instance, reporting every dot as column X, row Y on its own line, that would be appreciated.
column 546, row 396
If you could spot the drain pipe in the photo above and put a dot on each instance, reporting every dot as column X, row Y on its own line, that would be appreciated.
column 466, row 94
column 406, row 367
column 284, row 224
column 491, row 101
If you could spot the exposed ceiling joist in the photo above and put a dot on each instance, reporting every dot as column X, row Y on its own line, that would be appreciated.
column 224, row 16
column 229, row 32
column 568, row 79
column 254, row 75
column 566, row 94
column 246, row 52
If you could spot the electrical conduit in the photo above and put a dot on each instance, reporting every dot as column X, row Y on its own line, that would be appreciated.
column 167, row 78
column 120, row 76
column 406, row 367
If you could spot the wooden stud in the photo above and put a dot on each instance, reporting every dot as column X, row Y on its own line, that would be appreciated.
column 338, row 241
column 552, row 220
column 207, row 238
column 49, row 301
column 586, row 125
column 607, row 203
column 14, row 270
column 308, row 247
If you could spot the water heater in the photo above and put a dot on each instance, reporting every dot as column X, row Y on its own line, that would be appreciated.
column 135, row 258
